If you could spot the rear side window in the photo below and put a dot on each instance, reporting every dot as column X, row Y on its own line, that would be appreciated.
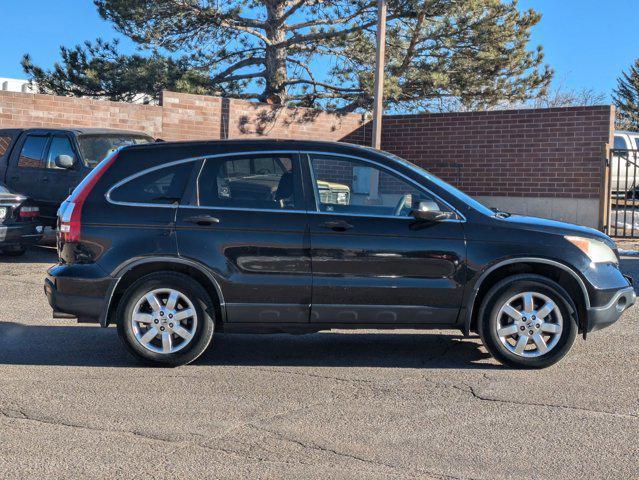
column 32, row 153
column 159, row 187
column 5, row 142
column 260, row 182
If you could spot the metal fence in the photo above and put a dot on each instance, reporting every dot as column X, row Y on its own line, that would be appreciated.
column 623, row 178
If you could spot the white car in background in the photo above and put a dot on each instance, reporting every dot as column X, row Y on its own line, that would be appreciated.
column 624, row 170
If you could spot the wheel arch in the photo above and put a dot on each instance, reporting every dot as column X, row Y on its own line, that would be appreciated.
column 130, row 272
column 564, row 275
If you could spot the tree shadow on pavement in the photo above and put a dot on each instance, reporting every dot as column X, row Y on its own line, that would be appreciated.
column 92, row 346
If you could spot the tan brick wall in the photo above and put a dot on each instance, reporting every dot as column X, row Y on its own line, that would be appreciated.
column 188, row 117
column 34, row 110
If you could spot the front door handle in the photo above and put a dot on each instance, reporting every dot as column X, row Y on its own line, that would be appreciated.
column 337, row 225
column 203, row 220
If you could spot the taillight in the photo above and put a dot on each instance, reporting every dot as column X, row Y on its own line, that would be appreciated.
column 29, row 212
column 71, row 217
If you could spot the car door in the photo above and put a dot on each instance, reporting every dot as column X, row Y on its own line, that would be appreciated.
column 373, row 263
column 58, row 183
column 246, row 222
column 26, row 166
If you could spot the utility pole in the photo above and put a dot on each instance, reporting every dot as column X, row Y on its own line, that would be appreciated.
column 378, row 104
column 379, row 74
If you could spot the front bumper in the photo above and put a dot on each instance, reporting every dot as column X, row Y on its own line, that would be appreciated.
column 604, row 316
column 19, row 234
column 83, row 297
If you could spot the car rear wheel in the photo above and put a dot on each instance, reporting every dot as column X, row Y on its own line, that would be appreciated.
column 166, row 319
column 527, row 321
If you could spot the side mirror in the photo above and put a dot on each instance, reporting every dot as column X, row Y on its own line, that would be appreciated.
column 427, row 213
column 64, row 161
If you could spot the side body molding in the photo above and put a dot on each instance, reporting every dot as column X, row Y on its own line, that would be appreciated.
column 122, row 270
column 511, row 261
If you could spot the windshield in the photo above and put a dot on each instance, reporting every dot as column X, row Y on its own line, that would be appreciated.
column 461, row 196
column 95, row 147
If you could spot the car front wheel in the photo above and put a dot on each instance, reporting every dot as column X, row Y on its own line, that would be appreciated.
column 527, row 321
column 166, row 319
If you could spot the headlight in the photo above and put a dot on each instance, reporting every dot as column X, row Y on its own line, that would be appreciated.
column 3, row 213
column 596, row 251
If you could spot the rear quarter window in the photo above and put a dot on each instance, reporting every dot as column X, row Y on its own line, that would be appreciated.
column 163, row 186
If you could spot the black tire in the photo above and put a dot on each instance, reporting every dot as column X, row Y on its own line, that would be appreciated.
column 14, row 251
column 499, row 294
column 202, row 304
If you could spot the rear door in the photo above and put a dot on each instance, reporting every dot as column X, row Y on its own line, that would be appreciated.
column 27, row 166
column 245, row 221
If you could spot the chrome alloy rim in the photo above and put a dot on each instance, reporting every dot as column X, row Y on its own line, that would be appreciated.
column 529, row 324
column 164, row 321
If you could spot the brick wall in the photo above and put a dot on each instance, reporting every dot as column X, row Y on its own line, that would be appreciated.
column 29, row 110
column 555, row 152
column 550, row 153
column 187, row 116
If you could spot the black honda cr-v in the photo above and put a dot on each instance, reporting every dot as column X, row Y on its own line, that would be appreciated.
column 175, row 241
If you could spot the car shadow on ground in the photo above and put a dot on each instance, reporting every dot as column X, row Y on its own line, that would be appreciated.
column 37, row 254
column 92, row 346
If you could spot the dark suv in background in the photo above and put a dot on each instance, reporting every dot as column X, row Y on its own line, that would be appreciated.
column 46, row 164
column 175, row 241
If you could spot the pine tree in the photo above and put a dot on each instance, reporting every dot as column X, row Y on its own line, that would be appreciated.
column 315, row 53
column 626, row 98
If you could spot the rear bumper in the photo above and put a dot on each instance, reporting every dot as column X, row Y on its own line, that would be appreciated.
column 84, row 298
column 602, row 317
column 19, row 234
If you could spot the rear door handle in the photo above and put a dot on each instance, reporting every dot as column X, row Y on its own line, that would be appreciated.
column 337, row 225
column 203, row 220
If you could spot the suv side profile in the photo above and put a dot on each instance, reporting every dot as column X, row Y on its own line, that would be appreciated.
column 175, row 241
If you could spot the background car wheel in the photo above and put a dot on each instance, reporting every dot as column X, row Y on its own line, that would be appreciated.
column 527, row 321
column 14, row 251
column 166, row 319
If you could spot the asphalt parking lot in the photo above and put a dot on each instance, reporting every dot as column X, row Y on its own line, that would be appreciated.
column 329, row 405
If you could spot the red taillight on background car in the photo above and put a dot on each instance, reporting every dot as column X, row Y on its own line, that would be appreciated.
column 71, row 212
column 29, row 212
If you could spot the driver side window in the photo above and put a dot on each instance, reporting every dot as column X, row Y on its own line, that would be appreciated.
column 59, row 146
column 345, row 185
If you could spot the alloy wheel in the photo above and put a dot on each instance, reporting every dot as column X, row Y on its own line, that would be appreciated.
column 529, row 324
column 164, row 321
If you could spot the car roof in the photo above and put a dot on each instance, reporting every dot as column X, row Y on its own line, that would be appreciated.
column 77, row 130
column 257, row 144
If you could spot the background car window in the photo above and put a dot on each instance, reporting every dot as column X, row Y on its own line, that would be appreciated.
column 31, row 155
column 59, row 146
column 4, row 145
column 349, row 186
column 163, row 187
column 95, row 147
column 265, row 182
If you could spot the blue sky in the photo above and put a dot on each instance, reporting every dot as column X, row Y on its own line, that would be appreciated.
column 587, row 42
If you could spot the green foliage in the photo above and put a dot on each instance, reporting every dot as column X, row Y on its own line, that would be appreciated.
column 471, row 53
column 626, row 98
